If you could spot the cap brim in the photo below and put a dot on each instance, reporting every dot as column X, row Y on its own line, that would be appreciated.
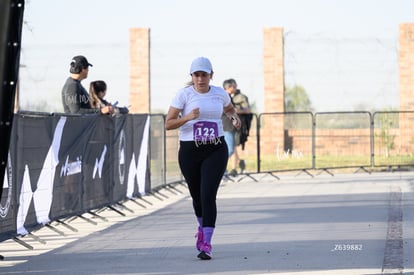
column 200, row 70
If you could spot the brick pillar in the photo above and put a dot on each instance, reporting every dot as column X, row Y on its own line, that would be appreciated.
column 272, row 126
column 406, row 66
column 273, row 64
column 139, row 87
column 406, row 74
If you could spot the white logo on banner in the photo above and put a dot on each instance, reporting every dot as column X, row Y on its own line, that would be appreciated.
column 139, row 171
column 7, row 183
column 99, row 164
column 71, row 168
column 121, row 153
column 42, row 196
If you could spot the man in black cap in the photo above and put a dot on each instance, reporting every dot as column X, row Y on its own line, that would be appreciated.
column 75, row 98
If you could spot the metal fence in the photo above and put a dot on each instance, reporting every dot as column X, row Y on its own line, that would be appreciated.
column 305, row 141
column 278, row 142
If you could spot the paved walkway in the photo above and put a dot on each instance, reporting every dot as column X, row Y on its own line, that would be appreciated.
column 342, row 224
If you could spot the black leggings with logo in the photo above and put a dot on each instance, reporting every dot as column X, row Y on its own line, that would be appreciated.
column 203, row 166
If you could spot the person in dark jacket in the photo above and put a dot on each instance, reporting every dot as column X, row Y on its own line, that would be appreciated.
column 235, row 137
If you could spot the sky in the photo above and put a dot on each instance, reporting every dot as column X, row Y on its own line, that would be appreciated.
column 343, row 52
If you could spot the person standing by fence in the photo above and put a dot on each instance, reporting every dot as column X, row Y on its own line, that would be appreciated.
column 235, row 137
column 196, row 110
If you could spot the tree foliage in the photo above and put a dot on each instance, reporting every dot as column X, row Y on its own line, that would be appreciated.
column 297, row 100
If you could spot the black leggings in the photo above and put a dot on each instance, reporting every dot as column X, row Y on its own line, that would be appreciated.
column 203, row 167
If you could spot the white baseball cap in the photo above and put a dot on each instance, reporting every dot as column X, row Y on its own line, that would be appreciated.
column 201, row 64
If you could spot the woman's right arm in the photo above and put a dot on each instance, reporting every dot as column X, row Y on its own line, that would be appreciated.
column 174, row 121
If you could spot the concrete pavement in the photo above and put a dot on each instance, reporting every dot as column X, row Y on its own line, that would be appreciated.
column 343, row 224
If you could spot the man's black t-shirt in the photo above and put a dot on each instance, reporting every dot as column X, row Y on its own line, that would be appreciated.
column 75, row 98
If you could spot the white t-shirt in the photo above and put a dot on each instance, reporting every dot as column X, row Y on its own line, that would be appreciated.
column 211, row 106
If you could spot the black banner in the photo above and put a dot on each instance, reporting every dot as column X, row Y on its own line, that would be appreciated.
column 68, row 165
column 11, row 22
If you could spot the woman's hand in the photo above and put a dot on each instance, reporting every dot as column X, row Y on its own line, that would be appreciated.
column 235, row 119
column 107, row 110
column 194, row 114
column 232, row 115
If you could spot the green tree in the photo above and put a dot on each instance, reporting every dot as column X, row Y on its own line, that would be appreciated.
column 386, row 121
column 297, row 100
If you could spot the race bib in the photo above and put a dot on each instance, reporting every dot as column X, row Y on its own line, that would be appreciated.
column 205, row 130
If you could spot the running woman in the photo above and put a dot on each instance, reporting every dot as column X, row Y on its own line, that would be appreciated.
column 196, row 110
